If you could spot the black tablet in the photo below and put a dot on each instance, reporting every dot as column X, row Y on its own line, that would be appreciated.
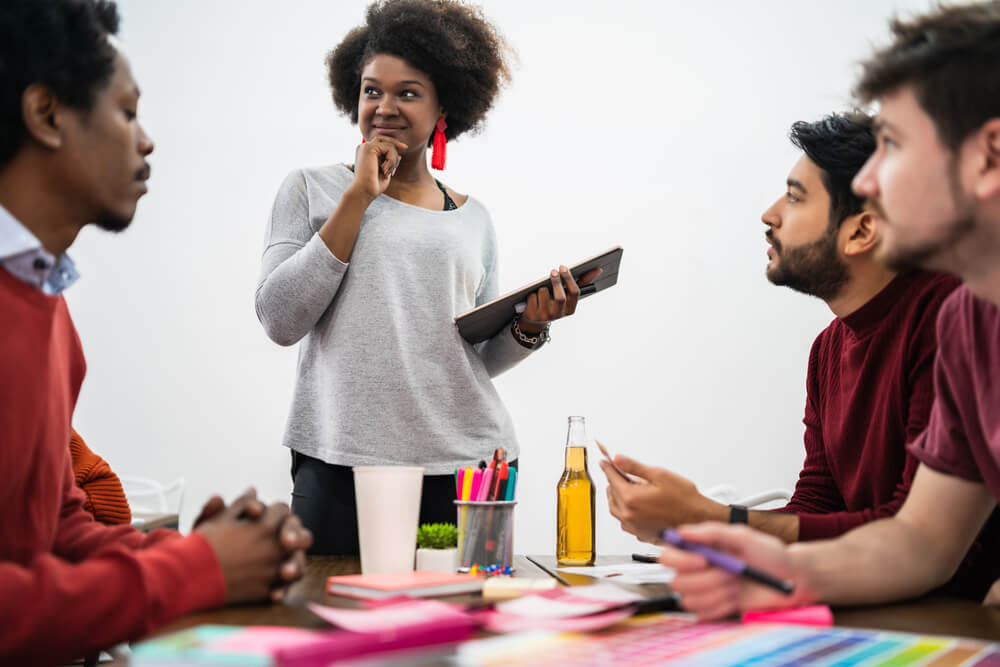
column 483, row 322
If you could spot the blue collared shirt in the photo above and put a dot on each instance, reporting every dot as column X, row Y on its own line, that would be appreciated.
column 22, row 255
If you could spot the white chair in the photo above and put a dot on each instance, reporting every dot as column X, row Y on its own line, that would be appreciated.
column 148, row 497
column 727, row 495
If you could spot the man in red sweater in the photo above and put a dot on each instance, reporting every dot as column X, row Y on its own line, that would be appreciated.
column 73, row 153
column 935, row 180
column 869, row 388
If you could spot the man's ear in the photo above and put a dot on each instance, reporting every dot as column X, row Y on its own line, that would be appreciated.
column 39, row 108
column 987, row 142
column 861, row 232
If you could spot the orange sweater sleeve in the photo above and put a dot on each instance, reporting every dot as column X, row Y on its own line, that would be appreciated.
column 105, row 496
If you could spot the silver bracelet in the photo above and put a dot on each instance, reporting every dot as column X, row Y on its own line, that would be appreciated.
column 539, row 339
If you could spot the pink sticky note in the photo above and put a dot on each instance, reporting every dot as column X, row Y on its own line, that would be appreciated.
column 818, row 614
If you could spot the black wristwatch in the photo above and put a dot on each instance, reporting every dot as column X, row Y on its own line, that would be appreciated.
column 738, row 514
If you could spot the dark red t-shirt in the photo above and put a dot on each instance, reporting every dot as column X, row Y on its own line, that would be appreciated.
column 963, row 435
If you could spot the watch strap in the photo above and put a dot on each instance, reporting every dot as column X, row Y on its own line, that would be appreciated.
column 739, row 514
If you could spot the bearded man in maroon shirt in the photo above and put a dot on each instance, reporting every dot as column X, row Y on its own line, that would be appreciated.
column 869, row 387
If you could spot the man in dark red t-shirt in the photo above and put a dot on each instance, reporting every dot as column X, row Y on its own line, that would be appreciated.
column 870, row 383
column 935, row 180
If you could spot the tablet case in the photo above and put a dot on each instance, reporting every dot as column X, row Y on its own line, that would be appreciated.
column 485, row 321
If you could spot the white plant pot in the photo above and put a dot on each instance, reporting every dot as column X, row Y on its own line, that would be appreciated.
column 437, row 560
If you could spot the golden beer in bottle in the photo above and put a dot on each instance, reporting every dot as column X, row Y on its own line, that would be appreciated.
column 575, row 502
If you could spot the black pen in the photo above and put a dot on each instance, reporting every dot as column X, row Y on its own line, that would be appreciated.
column 552, row 573
column 585, row 290
column 645, row 558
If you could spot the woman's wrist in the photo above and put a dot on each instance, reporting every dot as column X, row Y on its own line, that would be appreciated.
column 340, row 230
column 529, row 339
column 531, row 328
column 357, row 194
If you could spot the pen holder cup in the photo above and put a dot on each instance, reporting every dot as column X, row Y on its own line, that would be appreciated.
column 485, row 533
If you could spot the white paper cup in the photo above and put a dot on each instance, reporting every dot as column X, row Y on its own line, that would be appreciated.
column 388, row 499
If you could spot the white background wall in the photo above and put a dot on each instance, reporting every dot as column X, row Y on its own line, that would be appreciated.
column 660, row 126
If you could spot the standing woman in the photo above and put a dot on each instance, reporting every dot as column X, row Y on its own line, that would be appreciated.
column 367, row 265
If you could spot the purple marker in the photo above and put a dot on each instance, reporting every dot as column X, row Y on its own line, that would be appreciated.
column 728, row 563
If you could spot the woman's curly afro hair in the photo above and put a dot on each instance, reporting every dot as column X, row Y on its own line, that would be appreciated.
column 453, row 43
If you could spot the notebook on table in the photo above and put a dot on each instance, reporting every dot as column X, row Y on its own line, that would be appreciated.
column 419, row 583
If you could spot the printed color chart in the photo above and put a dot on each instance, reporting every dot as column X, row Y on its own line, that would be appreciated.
column 658, row 638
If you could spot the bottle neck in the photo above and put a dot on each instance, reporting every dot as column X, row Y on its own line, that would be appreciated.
column 576, row 457
column 576, row 436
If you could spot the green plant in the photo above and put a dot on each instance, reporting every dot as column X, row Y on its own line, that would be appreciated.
column 437, row 536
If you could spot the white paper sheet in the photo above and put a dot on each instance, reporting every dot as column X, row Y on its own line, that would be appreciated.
column 626, row 573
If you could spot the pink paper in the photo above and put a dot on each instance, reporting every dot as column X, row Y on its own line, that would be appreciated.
column 497, row 621
column 572, row 609
column 264, row 640
column 814, row 615
column 388, row 617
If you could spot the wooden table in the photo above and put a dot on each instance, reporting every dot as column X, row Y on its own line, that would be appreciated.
column 942, row 616
column 928, row 615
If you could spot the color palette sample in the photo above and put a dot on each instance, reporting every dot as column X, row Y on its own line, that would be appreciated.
column 658, row 638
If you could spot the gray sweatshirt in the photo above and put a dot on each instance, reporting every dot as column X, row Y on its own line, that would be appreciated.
column 383, row 375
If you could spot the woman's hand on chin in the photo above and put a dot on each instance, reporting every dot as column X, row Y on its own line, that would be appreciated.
column 375, row 162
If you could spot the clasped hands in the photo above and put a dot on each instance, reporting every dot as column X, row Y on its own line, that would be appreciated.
column 260, row 548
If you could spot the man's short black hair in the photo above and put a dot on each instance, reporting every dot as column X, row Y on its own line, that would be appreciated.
column 61, row 44
column 951, row 57
column 839, row 145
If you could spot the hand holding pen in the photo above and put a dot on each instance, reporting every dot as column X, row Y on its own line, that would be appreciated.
column 724, row 569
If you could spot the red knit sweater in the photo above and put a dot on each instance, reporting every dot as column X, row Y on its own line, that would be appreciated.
column 69, row 585
column 869, row 393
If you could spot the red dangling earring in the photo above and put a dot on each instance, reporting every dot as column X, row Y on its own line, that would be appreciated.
column 440, row 145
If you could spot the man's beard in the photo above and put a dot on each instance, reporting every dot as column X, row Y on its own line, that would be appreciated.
column 901, row 258
column 812, row 268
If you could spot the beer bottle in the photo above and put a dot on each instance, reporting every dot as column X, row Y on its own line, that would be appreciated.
column 575, row 501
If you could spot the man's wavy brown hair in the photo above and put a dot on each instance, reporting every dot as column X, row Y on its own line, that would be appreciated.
column 951, row 57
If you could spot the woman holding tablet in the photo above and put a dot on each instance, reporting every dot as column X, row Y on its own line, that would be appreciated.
column 367, row 265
